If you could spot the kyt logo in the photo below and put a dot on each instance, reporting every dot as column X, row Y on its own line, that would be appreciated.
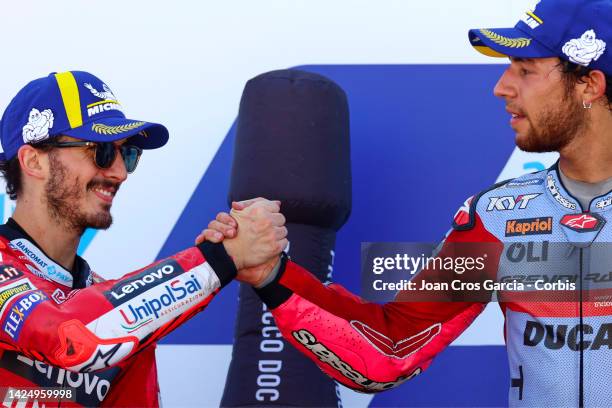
column 506, row 203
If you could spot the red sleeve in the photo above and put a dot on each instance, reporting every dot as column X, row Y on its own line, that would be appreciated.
column 367, row 346
column 102, row 325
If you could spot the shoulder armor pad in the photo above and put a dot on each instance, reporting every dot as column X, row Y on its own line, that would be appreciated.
column 465, row 218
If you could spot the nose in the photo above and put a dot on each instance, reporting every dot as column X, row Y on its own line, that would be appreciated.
column 117, row 170
column 504, row 87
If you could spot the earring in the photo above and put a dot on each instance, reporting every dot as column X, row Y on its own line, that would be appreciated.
column 586, row 105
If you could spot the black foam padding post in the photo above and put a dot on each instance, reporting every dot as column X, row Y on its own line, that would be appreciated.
column 292, row 145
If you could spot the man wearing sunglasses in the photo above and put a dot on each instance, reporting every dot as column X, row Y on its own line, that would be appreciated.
column 67, row 148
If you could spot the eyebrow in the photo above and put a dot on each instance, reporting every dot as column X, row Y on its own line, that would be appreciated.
column 519, row 59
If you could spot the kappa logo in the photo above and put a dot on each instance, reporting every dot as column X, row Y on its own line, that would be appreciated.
column 108, row 100
column 38, row 125
column 586, row 49
column 583, row 222
column 506, row 203
column 400, row 349
column 551, row 184
column 529, row 226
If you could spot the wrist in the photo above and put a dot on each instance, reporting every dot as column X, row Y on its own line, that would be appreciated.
column 219, row 260
column 232, row 250
column 270, row 269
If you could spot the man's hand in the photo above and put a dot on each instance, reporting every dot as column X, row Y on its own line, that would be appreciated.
column 224, row 226
column 260, row 236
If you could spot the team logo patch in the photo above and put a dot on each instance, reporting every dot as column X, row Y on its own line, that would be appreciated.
column 583, row 222
column 108, row 100
column 584, row 50
column 143, row 281
column 603, row 204
column 529, row 226
column 551, row 184
column 14, row 289
column 8, row 273
column 506, row 203
column 525, row 183
column 23, row 306
column 38, row 126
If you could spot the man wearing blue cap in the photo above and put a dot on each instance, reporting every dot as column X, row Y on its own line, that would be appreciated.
column 558, row 91
column 67, row 148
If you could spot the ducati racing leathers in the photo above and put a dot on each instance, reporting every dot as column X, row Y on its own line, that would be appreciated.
column 73, row 331
column 559, row 349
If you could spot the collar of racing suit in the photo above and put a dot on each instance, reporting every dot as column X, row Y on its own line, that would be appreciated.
column 561, row 195
column 39, row 263
column 585, row 192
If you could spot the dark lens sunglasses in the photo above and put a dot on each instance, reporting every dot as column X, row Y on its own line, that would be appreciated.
column 105, row 153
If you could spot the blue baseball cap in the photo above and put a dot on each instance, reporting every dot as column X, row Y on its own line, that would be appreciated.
column 73, row 103
column 573, row 30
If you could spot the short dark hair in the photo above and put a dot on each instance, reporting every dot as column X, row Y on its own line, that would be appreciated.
column 11, row 172
column 574, row 73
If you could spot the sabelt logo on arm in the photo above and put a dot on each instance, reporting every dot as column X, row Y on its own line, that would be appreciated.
column 529, row 226
column 308, row 340
column 145, row 280
column 8, row 273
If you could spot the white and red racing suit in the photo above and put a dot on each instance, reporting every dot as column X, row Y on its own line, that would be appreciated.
column 73, row 330
column 559, row 350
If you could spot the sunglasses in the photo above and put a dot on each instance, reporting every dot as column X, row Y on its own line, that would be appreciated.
column 105, row 153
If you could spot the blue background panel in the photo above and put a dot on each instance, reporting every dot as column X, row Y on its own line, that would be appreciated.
column 423, row 139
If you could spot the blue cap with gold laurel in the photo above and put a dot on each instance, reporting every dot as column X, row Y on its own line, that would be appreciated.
column 73, row 103
column 573, row 30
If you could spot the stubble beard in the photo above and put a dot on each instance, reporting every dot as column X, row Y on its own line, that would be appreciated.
column 63, row 197
column 556, row 128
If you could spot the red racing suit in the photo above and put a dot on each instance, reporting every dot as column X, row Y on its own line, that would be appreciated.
column 559, row 349
column 72, row 330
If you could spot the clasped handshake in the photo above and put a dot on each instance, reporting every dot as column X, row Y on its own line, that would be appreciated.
column 253, row 234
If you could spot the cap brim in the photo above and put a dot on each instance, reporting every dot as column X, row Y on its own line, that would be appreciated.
column 507, row 42
column 146, row 135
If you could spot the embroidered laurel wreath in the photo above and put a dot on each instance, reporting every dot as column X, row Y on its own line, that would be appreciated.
column 505, row 41
column 115, row 130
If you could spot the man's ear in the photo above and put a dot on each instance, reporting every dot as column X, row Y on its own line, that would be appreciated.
column 595, row 88
column 34, row 162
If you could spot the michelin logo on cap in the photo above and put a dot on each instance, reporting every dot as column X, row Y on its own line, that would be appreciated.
column 584, row 50
column 38, row 125
column 108, row 100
